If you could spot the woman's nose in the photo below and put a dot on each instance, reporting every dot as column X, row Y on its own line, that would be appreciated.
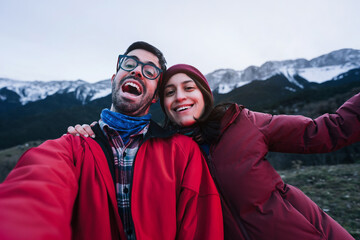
column 180, row 95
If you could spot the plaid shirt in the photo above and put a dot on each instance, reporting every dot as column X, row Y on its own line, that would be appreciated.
column 124, row 156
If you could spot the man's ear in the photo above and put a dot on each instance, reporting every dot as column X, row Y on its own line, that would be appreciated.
column 113, row 77
column 156, row 98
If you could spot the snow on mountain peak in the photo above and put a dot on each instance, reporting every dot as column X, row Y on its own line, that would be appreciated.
column 320, row 69
column 29, row 91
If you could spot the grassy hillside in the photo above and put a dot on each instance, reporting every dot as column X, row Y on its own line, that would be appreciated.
column 335, row 188
column 9, row 157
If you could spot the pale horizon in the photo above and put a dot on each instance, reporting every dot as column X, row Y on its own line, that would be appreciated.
column 71, row 40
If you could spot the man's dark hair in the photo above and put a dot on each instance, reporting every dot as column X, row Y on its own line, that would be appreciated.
column 150, row 48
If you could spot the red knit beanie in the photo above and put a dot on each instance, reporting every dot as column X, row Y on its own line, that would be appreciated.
column 194, row 74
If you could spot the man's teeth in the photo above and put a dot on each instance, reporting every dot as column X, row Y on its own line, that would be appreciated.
column 133, row 85
column 182, row 108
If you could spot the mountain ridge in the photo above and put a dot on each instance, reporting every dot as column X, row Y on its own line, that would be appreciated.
column 79, row 102
column 319, row 69
column 222, row 81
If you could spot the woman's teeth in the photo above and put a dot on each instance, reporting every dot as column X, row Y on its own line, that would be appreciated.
column 182, row 108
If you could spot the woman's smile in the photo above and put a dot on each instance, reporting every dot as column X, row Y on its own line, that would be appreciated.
column 183, row 108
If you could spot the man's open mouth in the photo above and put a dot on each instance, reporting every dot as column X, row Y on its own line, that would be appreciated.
column 132, row 88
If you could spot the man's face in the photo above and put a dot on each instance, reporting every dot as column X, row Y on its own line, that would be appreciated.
column 133, row 93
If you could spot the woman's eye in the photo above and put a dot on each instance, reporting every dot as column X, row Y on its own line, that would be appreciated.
column 169, row 93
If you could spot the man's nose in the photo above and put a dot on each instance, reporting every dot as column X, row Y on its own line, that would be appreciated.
column 137, row 71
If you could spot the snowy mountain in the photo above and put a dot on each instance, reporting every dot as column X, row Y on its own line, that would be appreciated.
column 319, row 70
column 43, row 110
column 34, row 91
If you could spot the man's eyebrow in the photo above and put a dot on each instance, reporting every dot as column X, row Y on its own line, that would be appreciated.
column 133, row 56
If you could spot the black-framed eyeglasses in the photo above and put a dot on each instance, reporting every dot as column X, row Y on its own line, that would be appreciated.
column 129, row 63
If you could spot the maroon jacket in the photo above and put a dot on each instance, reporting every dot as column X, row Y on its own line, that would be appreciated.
column 257, row 204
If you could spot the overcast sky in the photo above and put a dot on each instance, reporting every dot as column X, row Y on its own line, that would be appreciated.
column 81, row 39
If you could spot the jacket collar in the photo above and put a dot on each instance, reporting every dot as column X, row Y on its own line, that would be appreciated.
column 230, row 115
column 156, row 131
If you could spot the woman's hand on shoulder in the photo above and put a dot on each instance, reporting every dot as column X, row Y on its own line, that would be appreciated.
column 82, row 130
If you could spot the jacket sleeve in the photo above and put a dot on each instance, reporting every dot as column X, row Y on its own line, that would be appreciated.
column 298, row 134
column 199, row 214
column 36, row 198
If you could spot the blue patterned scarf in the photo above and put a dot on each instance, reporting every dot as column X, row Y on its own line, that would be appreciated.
column 125, row 125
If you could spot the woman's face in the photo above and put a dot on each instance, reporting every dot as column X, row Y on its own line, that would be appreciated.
column 183, row 100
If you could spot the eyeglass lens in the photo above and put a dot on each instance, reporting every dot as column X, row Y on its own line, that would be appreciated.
column 149, row 71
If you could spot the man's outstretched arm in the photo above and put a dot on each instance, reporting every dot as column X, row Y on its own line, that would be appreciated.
column 37, row 197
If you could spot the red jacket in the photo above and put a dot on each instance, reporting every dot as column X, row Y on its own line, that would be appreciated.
column 63, row 189
column 256, row 202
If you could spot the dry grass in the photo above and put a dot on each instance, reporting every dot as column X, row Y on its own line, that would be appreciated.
column 10, row 156
column 335, row 188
